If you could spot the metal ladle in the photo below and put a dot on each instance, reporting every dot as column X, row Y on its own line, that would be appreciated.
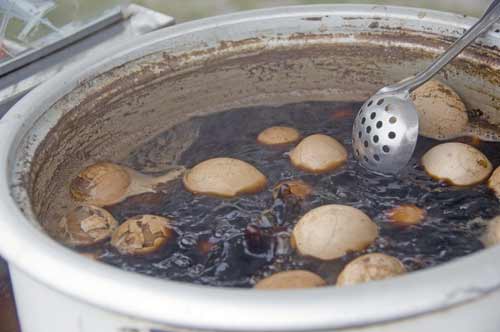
column 385, row 129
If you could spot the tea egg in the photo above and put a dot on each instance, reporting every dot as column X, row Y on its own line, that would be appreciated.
column 370, row 267
column 442, row 114
column 330, row 231
column 457, row 164
column 297, row 188
column 318, row 154
column 494, row 181
column 278, row 135
column 491, row 236
column 224, row 177
column 291, row 279
column 142, row 235
column 406, row 214
column 86, row 226
column 104, row 183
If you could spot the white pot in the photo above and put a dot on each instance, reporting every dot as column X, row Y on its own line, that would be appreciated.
column 269, row 56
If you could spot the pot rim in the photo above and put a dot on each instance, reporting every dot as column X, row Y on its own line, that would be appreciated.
column 27, row 248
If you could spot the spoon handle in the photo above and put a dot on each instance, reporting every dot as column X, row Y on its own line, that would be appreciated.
column 491, row 15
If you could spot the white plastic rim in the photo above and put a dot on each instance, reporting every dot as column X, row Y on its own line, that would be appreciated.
column 178, row 304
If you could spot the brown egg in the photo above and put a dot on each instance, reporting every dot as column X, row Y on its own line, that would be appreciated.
column 370, row 267
column 291, row 279
column 297, row 188
column 442, row 114
column 491, row 236
column 142, row 235
column 86, row 226
column 105, row 184
column 406, row 214
column 224, row 177
column 494, row 182
column 318, row 154
column 278, row 136
column 330, row 231
column 457, row 163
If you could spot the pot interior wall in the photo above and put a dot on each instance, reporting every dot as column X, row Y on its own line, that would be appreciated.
column 108, row 116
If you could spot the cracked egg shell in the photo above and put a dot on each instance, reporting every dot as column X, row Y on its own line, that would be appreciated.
column 318, row 154
column 457, row 164
column 86, row 226
column 441, row 112
column 291, row 279
column 297, row 188
column 491, row 236
column 142, row 235
column 224, row 177
column 100, row 184
column 278, row 135
column 330, row 231
column 370, row 267
column 494, row 182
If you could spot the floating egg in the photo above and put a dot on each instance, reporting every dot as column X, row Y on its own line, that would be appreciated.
column 291, row 279
column 330, row 231
column 224, row 177
column 494, row 181
column 278, row 135
column 457, row 164
column 406, row 214
column 442, row 114
column 370, row 267
column 318, row 154
column 104, row 184
column 86, row 226
column 142, row 235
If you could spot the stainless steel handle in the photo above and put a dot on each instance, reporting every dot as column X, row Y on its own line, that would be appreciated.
column 491, row 15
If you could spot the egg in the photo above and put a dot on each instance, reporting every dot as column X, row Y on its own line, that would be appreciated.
column 330, row 231
column 291, row 279
column 278, row 135
column 224, row 177
column 370, row 267
column 86, row 226
column 457, row 164
column 104, row 183
column 297, row 188
column 142, row 235
column 491, row 236
column 442, row 114
column 406, row 214
column 494, row 182
column 318, row 154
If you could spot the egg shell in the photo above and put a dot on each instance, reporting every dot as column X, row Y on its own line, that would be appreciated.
column 491, row 236
column 330, row 231
column 318, row 153
column 494, row 182
column 278, row 135
column 224, row 177
column 290, row 280
column 100, row 184
column 370, row 267
column 457, row 164
column 406, row 214
column 442, row 114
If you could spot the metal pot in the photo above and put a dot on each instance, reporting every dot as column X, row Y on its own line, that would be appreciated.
column 109, row 104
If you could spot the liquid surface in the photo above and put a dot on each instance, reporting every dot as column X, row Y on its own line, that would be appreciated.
column 215, row 244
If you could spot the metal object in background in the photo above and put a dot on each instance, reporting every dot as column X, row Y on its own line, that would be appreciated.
column 32, row 67
column 263, row 57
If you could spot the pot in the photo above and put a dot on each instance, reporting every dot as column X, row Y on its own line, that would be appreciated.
column 105, row 106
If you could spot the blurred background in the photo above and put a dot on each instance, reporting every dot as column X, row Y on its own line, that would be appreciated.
column 183, row 10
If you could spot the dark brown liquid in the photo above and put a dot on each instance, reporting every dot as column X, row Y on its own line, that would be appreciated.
column 215, row 244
